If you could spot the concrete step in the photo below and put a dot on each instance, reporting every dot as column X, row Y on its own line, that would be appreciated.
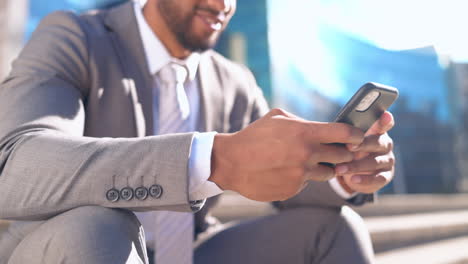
column 450, row 251
column 232, row 206
column 399, row 231
column 394, row 222
column 391, row 205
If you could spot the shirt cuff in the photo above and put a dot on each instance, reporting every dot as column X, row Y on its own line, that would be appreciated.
column 336, row 186
column 200, row 167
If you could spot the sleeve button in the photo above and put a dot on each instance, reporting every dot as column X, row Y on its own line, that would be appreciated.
column 141, row 193
column 156, row 191
column 112, row 195
column 126, row 193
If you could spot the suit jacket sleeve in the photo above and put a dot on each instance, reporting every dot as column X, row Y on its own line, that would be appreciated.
column 47, row 166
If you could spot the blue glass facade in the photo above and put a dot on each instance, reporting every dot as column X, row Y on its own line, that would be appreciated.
column 317, row 67
column 251, row 20
column 39, row 9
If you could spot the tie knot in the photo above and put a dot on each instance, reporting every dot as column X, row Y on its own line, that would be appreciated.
column 173, row 72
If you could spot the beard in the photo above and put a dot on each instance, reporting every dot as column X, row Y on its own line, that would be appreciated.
column 181, row 25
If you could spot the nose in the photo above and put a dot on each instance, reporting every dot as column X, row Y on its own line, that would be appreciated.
column 225, row 6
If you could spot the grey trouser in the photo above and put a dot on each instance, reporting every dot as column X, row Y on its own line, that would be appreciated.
column 88, row 234
column 300, row 235
column 101, row 235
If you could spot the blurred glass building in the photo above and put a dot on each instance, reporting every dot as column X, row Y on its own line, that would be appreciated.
column 321, row 52
column 310, row 56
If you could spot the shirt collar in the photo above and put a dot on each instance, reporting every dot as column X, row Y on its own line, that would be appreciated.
column 157, row 55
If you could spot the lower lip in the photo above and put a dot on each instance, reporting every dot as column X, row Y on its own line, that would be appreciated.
column 212, row 26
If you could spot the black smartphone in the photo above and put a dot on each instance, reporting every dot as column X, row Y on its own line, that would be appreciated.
column 365, row 107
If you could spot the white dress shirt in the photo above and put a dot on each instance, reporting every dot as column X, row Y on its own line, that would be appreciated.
column 199, row 165
column 200, row 158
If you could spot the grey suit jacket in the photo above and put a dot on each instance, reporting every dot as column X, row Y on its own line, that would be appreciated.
column 76, row 120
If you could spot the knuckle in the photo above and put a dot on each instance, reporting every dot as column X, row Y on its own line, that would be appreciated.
column 353, row 134
column 352, row 167
column 387, row 143
column 313, row 156
column 324, row 175
column 347, row 156
column 277, row 111
column 300, row 130
column 313, row 128
column 329, row 174
column 344, row 158
column 304, row 154
column 347, row 131
column 391, row 160
column 390, row 145
column 379, row 162
column 385, row 162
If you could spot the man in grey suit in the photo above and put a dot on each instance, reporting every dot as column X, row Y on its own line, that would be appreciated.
column 80, row 151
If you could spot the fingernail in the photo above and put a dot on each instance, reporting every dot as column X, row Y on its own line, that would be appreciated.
column 353, row 147
column 341, row 169
column 356, row 179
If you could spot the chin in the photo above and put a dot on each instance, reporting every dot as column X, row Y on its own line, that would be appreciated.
column 200, row 45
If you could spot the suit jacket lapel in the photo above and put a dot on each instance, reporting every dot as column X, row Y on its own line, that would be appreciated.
column 212, row 114
column 123, row 30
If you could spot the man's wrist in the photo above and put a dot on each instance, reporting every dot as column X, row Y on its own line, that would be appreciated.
column 219, row 164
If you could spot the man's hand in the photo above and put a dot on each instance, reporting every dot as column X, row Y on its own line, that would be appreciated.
column 274, row 157
column 373, row 164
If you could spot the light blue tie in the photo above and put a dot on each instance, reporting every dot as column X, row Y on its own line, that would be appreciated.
column 174, row 230
column 174, row 108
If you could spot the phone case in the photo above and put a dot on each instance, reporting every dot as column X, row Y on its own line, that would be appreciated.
column 365, row 119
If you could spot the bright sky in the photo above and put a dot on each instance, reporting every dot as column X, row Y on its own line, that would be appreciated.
column 403, row 24
column 391, row 24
